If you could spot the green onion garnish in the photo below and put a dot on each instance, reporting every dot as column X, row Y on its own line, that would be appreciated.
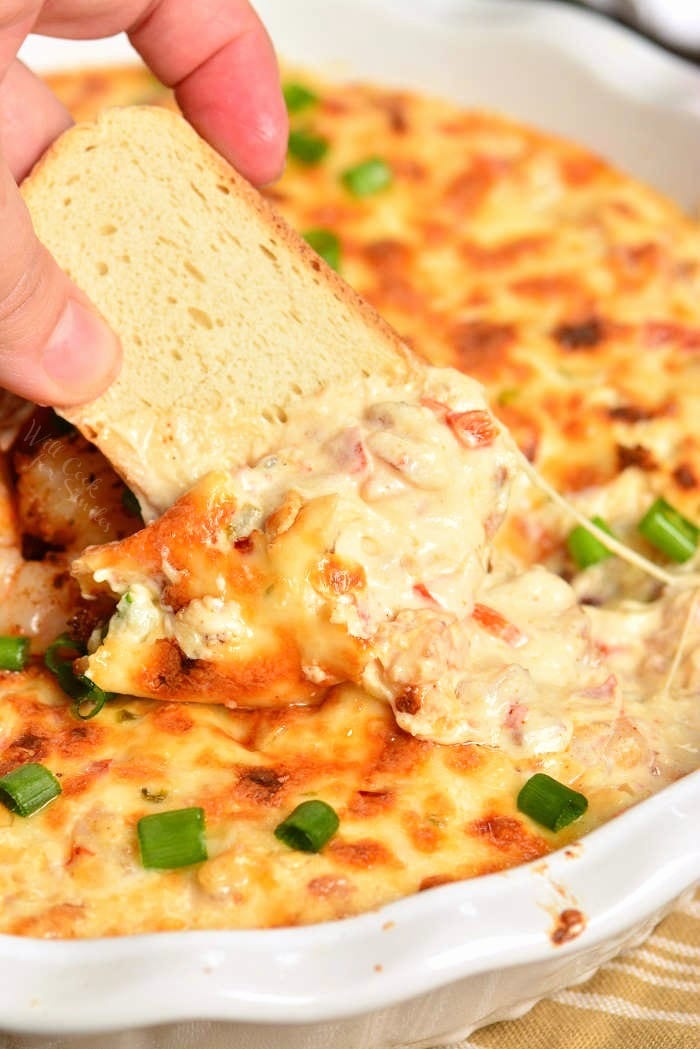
column 551, row 803
column 308, row 827
column 62, row 651
column 584, row 548
column 671, row 533
column 326, row 244
column 13, row 652
column 28, row 788
column 89, row 698
column 367, row 178
column 92, row 701
column 130, row 503
column 298, row 97
column 307, row 147
column 172, row 839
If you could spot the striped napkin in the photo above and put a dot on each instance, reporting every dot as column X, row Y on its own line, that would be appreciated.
column 648, row 998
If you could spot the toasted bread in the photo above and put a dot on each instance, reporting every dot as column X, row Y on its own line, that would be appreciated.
column 224, row 312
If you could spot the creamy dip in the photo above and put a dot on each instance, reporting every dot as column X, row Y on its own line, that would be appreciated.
column 413, row 483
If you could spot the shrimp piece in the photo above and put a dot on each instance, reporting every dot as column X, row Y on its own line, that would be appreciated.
column 40, row 600
column 68, row 495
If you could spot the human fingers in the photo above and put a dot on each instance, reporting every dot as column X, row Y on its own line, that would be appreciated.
column 225, row 76
column 217, row 56
column 31, row 117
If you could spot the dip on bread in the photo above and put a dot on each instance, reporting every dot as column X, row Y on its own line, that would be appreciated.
column 359, row 549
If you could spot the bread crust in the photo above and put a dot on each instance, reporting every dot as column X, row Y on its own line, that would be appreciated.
column 105, row 199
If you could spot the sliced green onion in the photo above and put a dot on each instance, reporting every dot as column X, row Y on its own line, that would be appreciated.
column 13, row 652
column 130, row 503
column 62, row 652
column 551, row 803
column 307, row 147
column 671, row 533
column 326, row 244
column 92, row 701
column 308, row 827
column 584, row 548
column 89, row 697
column 367, row 178
column 28, row 788
column 172, row 839
column 298, row 97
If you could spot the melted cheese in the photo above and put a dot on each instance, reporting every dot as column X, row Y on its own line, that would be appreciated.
column 573, row 293
column 374, row 519
column 412, row 814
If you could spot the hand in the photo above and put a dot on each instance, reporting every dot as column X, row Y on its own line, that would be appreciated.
column 54, row 347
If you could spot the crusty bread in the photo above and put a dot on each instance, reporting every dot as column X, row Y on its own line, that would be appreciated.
column 223, row 311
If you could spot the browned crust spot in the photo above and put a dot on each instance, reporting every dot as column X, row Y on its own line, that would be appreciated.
column 364, row 854
column 580, row 335
column 510, row 835
column 268, row 679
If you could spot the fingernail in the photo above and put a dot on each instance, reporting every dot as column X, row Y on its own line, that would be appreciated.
column 82, row 354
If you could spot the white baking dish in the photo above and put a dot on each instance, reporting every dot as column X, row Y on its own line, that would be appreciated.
column 433, row 967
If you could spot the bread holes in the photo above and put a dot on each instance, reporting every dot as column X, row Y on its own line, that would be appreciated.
column 237, row 330
column 267, row 415
column 194, row 272
column 280, row 413
column 102, row 269
column 67, row 201
column 200, row 317
column 296, row 389
column 199, row 193
column 226, row 235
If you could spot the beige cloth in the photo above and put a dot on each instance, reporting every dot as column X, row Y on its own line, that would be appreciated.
column 648, row 998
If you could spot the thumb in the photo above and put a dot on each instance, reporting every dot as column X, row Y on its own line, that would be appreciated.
column 55, row 348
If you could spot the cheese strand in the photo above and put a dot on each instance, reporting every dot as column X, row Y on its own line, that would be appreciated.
column 664, row 693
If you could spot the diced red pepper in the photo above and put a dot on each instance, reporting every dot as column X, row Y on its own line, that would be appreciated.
column 473, row 429
column 498, row 626
column 422, row 591
column 351, row 451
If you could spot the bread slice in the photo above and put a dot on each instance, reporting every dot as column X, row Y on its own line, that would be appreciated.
column 224, row 312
